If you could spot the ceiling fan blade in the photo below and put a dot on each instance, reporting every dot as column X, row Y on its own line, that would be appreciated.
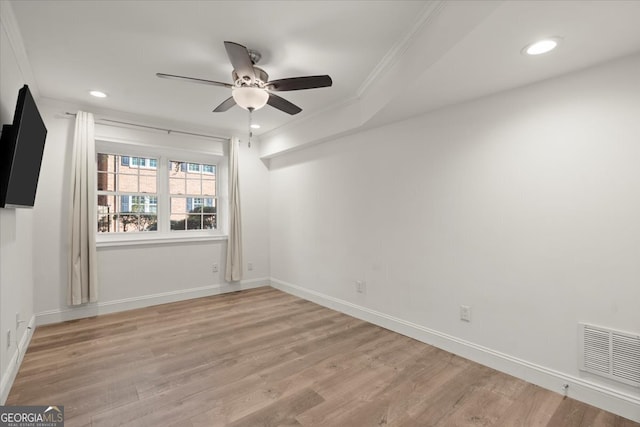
column 300, row 83
column 241, row 61
column 283, row 105
column 228, row 103
column 193, row 80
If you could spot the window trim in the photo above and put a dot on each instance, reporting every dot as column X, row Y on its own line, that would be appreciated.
column 163, row 233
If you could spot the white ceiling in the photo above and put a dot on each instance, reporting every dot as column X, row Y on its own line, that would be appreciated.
column 118, row 46
column 414, row 56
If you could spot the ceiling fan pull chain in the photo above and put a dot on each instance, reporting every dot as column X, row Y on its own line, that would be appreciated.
column 250, row 123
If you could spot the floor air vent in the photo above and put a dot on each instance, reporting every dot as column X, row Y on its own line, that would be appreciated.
column 610, row 353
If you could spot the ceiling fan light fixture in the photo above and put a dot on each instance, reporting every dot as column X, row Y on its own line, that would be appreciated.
column 250, row 98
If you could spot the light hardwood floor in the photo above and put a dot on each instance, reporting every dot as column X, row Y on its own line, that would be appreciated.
column 265, row 358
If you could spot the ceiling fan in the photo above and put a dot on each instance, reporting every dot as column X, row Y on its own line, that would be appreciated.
column 251, row 88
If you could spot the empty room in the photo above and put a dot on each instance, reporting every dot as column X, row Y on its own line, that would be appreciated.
column 320, row 213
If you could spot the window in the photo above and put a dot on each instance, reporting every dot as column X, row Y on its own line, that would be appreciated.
column 155, row 195
column 127, row 194
column 193, row 196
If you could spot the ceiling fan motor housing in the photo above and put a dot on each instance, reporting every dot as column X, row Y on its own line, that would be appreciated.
column 261, row 78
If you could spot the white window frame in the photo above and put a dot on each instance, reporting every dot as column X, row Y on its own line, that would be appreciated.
column 164, row 234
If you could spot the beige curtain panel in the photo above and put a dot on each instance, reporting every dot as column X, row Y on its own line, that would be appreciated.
column 83, row 277
column 233, row 272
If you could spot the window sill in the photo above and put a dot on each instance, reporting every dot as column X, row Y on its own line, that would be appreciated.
column 157, row 240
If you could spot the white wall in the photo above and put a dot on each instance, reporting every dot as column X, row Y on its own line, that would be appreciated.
column 16, row 227
column 523, row 205
column 140, row 275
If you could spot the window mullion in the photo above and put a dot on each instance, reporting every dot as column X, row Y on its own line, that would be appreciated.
column 164, row 199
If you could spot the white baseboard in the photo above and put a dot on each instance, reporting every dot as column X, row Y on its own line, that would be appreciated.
column 600, row 396
column 106, row 307
column 16, row 360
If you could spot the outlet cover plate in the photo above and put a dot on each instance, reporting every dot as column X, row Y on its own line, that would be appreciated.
column 465, row 313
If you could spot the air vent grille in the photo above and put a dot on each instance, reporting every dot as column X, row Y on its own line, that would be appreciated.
column 610, row 353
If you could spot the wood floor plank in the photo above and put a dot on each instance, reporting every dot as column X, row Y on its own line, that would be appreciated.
column 281, row 413
column 265, row 358
column 571, row 413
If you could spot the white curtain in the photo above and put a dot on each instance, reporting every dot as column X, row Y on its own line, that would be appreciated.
column 83, row 277
column 233, row 272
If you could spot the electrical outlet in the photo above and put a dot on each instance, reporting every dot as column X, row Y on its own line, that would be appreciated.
column 250, row 266
column 214, row 268
column 8, row 338
column 361, row 286
column 465, row 313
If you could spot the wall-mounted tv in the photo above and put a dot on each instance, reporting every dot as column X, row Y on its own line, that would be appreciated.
column 21, row 148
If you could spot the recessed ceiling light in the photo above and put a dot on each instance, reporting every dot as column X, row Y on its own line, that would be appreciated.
column 255, row 126
column 98, row 94
column 542, row 46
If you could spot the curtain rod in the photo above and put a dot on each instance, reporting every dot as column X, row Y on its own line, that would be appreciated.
column 169, row 131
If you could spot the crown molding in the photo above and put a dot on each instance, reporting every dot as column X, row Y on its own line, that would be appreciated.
column 431, row 10
column 12, row 30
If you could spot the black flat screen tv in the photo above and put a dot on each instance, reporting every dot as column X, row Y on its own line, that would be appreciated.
column 21, row 148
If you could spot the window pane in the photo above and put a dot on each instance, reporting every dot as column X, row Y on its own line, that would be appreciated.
column 127, row 223
column 194, row 186
column 148, row 184
column 147, row 223
column 174, row 168
column 209, row 221
column 106, row 181
column 178, row 222
column 208, row 169
column 106, row 162
column 144, row 204
column 128, row 183
column 134, row 222
column 194, row 205
column 176, row 186
column 148, row 171
column 128, row 166
column 208, row 187
column 105, row 223
column 123, row 203
column 106, row 204
column 153, row 204
column 178, row 205
column 194, row 222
